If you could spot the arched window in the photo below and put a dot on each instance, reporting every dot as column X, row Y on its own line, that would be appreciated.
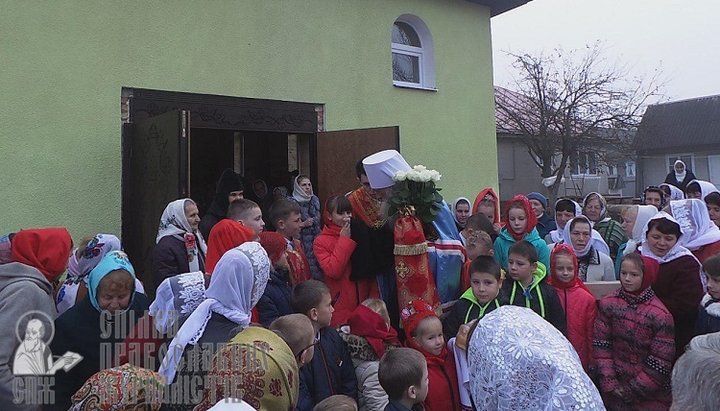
column 413, row 60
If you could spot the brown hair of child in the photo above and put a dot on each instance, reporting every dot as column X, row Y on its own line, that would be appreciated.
column 400, row 369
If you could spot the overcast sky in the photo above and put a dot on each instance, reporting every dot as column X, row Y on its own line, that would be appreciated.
column 682, row 37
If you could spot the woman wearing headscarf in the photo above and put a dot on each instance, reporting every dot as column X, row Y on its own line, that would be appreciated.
column 672, row 192
column 237, row 284
column 311, row 219
column 593, row 262
column 654, row 196
column 94, row 326
column 121, row 388
column 700, row 235
column 519, row 361
column 680, row 176
column 461, row 212
column 678, row 284
column 82, row 260
column 37, row 258
column 595, row 208
column 177, row 297
column 634, row 221
column 700, row 189
column 179, row 248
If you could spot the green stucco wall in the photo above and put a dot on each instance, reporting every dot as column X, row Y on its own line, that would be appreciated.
column 64, row 63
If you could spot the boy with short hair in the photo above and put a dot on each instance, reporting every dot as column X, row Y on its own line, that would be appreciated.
column 478, row 243
column 286, row 216
column 403, row 374
column 708, row 320
column 247, row 213
column 479, row 298
column 297, row 331
column 275, row 301
column 331, row 370
column 526, row 286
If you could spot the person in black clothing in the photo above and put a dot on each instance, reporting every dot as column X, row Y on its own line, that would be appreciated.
column 680, row 176
column 545, row 221
column 275, row 302
column 229, row 188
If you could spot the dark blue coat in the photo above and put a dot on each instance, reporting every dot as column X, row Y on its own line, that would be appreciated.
column 275, row 301
column 545, row 224
column 330, row 372
column 708, row 320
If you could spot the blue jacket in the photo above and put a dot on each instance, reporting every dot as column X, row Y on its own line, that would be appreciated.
column 708, row 320
column 545, row 224
column 330, row 372
column 275, row 301
column 505, row 240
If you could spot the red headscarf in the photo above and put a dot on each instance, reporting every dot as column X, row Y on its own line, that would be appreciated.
column 365, row 322
column 488, row 191
column 46, row 249
column 650, row 273
column 274, row 243
column 524, row 203
column 553, row 280
column 224, row 236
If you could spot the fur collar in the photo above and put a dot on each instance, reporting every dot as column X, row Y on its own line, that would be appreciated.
column 712, row 307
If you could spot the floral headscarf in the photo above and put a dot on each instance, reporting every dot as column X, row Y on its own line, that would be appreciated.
column 117, row 389
column 519, row 361
column 174, row 223
column 237, row 284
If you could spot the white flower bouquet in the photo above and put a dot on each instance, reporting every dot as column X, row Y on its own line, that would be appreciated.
column 415, row 193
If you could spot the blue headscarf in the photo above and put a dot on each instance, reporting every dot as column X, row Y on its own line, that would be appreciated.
column 114, row 260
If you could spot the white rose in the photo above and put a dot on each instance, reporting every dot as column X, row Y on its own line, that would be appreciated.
column 435, row 176
column 400, row 176
column 420, row 168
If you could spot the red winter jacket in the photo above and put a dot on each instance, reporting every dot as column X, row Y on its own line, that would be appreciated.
column 443, row 394
column 634, row 348
column 580, row 312
column 333, row 253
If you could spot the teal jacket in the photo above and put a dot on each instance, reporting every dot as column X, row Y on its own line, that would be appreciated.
column 505, row 240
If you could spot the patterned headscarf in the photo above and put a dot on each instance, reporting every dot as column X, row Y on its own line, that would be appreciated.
column 46, row 249
column 257, row 366
column 174, row 223
column 519, row 361
column 118, row 389
column 237, row 284
column 695, row 223
column 176, row 298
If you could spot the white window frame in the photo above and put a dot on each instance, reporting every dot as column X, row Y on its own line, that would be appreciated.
column 630, row 165
column 425, row 54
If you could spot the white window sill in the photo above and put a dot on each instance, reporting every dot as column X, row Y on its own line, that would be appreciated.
column 413, row 86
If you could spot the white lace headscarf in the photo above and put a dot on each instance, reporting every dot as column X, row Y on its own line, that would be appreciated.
column 675, row 193
column 176, row 298
column 519, row 361
column 237, row 283
column 706, row 187
column 695, row 223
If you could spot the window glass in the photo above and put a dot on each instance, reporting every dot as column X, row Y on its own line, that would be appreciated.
column 403, row 33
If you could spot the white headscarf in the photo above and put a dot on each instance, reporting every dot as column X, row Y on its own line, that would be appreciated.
column 675, row 252
column 176, row 298
column 298, row 193
column 556, row 235
column 680, row 176
column 174, row 223
column 455, row 204
column 596, row 241
column 697, row 228
column 519, row 361
column 706, row 188
column 675, row 193
column 237, row 283
column 644, row 214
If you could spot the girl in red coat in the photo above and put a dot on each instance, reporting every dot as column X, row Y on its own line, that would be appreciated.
column 634, row 341
column 577, row 301
column 333, row 249
column 425, row 334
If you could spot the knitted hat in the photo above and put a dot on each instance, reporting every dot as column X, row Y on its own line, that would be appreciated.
column 539, row 198
column 274, row 243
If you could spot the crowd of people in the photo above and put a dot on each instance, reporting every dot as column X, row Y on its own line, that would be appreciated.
column 310, row 316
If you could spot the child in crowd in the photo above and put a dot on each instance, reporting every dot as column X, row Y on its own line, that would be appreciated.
column 310, row 226
column 709, row 313
column 286, row 216
column 331, row 370
column 83, row 329
column 333, row 249
column 247, row 213
column 425, row 334
column 713, row 205
column 526, row 287
column 576, row 300
column 403, row 374
column 275, row 301
column 298, row 332
column 633, row 341
column 480, row 298
column 368, row 335
column 487, row 203
column 520, row 222
column 337, row 403
column 478, row 243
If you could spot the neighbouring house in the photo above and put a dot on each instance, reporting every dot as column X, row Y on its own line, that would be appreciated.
column 604, row 169
column 688, row 130
column 113, row 109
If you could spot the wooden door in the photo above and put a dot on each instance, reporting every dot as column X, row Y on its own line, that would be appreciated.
column 337, row 152
column 155, row 172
